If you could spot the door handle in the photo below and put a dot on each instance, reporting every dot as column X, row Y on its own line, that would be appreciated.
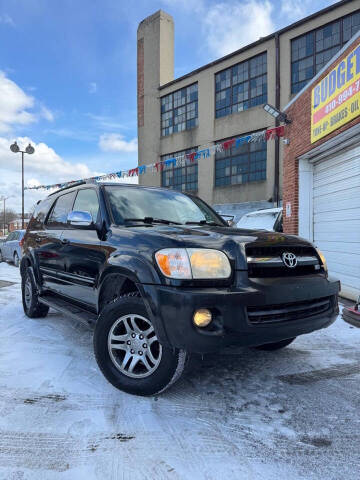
column 64, row 241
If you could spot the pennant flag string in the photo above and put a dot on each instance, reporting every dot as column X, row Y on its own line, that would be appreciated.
column 179, row 160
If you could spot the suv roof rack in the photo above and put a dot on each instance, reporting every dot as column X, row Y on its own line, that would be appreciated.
column 75, row 184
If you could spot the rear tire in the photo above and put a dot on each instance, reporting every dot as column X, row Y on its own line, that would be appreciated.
column 270, row 347
column 128, row 352
column 16, row 260
column 30, row 298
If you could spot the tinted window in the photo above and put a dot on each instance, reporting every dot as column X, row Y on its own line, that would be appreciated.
column 40, row 213
column 87, row 201
column 10, row 237
column 59, row 213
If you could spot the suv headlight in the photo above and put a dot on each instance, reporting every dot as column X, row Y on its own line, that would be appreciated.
column 323, row 260
column 193, row 263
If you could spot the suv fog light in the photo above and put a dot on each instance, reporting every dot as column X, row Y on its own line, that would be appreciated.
column 202, row 317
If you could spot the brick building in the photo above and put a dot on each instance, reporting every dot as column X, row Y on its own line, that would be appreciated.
column 321, row 169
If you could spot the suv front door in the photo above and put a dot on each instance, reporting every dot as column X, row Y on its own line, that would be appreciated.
column 49, row 249
column 82, row 251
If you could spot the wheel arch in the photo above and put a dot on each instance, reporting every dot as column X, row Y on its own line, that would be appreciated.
column 117, row 282
column 124, row 272
column 114, row 284
column 25, row 262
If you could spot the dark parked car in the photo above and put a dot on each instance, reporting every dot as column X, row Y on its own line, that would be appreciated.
column 160, row 275
column 10, row 248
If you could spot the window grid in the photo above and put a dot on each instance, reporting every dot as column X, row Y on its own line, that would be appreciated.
column 179, row 110
column 241, row 86
column 244, row 164
column 311, row 51
column 184, row 179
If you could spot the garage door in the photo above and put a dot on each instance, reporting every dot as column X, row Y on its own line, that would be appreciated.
column 336, row 220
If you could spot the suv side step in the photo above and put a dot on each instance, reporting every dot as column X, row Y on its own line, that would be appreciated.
column 73, row 311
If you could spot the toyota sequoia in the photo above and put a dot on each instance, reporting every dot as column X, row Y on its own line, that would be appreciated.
column 159, row 275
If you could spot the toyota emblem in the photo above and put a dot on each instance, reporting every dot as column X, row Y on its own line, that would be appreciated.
column 289, row 259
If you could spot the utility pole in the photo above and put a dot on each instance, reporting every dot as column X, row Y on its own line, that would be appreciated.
column 4, row 223
column 29, row 150
column 22, row 190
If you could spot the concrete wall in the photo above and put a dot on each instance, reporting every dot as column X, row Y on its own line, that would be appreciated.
column 221, row 128
column 155, row 63
column 209, row 130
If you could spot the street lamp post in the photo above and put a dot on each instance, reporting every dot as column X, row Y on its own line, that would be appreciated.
column 29, row 150
column 4, row 224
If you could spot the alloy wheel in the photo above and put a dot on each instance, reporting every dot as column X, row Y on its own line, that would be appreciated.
column 134, row 347
column 28, row 292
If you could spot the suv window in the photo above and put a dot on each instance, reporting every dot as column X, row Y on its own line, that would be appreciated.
column 40, row 213
column 10, row 237
column 87, row 201
column 60, row 210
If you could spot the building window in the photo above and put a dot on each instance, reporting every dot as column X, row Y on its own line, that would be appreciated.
column 241, row 87
column 179, row 110
column 311, row 52
column 244, row 164
column 183, row 178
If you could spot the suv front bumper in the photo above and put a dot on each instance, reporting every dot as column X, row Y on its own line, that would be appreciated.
column 172, row 311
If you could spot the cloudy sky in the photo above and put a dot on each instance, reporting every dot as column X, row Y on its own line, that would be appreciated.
column 68, row 76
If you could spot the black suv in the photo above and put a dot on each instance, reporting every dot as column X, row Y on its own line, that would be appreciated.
column 159, row 275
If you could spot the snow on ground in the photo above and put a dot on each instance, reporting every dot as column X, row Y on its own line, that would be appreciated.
column 241, row 414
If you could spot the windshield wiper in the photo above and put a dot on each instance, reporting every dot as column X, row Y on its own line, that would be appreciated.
column 151, row 220
column 204, row 222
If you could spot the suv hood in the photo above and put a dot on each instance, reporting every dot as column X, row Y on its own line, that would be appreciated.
column 233, row 241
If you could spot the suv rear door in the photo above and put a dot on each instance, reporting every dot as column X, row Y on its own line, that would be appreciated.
column 81, row 250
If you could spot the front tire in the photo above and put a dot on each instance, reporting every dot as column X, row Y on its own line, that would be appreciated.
column 128, row 352
column 30, row 298
column 270, row 347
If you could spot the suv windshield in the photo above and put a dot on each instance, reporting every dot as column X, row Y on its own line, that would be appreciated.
column 142, row 203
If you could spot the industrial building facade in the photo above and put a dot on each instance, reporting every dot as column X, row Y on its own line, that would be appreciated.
column 225, row 99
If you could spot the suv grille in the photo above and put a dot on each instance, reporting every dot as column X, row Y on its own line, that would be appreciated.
column 267, row 261
column 288, row 311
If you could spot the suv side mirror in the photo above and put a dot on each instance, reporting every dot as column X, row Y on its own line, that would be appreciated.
column 78, row 218
column 229, row 219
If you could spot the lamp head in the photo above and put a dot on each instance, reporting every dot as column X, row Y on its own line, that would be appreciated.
column 14, row 147
column 281, row 116
column 30, row 149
